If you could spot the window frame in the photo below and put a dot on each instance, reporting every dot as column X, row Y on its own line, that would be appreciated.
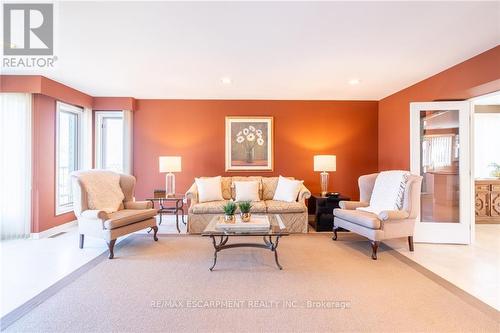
column 78, row 111
column 100, row 117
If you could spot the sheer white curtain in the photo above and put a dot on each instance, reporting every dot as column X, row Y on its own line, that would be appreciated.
column 128, row 117
column 15, row 165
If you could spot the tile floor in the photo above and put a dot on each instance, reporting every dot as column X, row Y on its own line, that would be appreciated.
column 474, row 268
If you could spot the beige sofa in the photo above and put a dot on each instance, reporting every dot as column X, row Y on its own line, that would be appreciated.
column 294, row 214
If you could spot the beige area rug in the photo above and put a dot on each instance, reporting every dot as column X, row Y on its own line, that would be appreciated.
column 166, row 286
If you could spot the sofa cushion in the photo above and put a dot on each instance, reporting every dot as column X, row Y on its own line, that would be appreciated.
column 245, row 179
column 257, row 207
column 287, row 189
column 209, row 189
column 128, row 216
column 212, row 207
column 274, row 206
column 358, row 217
column 269, row 185
column 226, row 183
column 247, row 191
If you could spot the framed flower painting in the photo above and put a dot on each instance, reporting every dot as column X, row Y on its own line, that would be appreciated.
column 249, row 143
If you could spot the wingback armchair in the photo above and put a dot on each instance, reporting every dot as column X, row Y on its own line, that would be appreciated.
column 129, row 217
column 386, row 224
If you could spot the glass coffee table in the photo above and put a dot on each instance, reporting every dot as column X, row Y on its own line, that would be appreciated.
column 270, row 237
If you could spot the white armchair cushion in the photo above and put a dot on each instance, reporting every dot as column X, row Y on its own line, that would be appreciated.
column 209, row 189
column 287, row 189
column 247, row 190
column 387, row 192
column 103, row 190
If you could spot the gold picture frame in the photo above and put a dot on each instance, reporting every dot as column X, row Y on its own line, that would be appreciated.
column 249, row 143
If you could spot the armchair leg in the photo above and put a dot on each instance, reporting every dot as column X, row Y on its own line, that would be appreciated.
column 375, row 245
column 334, row 233
column 410, row 243
column 82, row 239
column 111, row 245
column 155, row 231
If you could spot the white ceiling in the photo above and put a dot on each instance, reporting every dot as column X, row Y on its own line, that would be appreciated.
column 281, row 50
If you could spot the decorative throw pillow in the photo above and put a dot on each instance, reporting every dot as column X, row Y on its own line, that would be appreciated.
column 287, row 190
column 209, row 189
column 388, row 191
column 247, row 191
column 245, row 179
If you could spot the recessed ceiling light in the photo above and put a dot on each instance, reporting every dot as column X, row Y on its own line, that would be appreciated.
column 226, row 80
column 354, row 82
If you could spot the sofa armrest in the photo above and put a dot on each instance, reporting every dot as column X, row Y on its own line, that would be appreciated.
column 304, row 193
column 351, row 205
column 138, row 204
column 95, row 214
column 393, row 215
column 192, row 194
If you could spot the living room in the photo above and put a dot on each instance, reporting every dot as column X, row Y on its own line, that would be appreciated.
column 140, row 134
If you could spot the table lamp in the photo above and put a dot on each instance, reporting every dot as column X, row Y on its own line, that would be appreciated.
column 323, row 164
column 170, row 164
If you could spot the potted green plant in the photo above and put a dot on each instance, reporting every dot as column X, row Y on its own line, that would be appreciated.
column 229, row 210
column 245, row 210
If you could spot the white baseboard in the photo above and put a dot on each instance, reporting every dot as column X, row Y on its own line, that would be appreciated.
column 53, row 231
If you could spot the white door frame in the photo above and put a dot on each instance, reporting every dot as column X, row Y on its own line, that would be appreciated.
column 434, row 232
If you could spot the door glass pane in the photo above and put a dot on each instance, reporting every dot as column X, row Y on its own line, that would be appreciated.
column 439, row 165
column 67, row 155
column 112, row 144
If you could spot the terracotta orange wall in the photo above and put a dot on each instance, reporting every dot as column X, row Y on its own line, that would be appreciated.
column 194, row 129
column 44, row 138
column 475, row 77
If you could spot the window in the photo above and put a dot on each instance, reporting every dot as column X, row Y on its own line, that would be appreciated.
column 109, row 140
column 437, row 151
column 68, row 153
column 487, row 144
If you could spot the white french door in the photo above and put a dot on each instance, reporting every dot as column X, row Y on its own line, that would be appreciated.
column 440, row 148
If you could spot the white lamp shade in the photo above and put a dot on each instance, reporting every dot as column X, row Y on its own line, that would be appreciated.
column 325, row 163
column 170, row 164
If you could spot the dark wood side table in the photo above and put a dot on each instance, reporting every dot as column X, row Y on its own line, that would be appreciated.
column 169, row 204
column 322, row 208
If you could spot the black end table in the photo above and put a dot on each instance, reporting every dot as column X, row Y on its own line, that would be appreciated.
column 322, row 208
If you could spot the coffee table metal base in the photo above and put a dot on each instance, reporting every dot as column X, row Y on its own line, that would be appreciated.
column 268, row 244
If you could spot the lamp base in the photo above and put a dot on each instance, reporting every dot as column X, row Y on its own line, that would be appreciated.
column 324, row 177
column 169, row 184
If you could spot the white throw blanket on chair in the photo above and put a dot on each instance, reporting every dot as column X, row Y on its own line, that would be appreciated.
column 388, row 192
column 103, row 190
